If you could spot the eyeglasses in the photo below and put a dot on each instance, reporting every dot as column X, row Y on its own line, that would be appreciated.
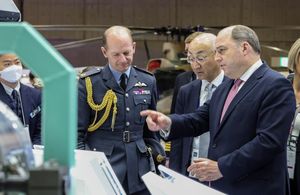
column 199, row 59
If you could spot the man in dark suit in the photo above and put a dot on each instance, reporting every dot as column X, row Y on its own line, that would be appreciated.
column 248, row 117
column 185, row 77
column 181, row 79
column 110, row 101
column 25, row 101
column 191, row 96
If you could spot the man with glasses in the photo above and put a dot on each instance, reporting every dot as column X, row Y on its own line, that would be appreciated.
column 209, row 75
column 185, row 77
column 25, row 101
column 249, row 118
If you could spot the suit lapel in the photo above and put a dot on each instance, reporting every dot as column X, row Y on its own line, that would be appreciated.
column 132, row 79
column 222, row 98
column 249, row 84
column 25, row 97
column 195, row 96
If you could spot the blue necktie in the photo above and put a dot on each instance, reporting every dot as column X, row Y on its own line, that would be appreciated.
column 123, row 81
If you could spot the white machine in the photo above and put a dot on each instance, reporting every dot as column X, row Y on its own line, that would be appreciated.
column 175, row 184
column 9, row 11
column 92, row 173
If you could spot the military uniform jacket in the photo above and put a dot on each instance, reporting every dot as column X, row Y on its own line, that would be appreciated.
column 124, row 146
column 31, row 102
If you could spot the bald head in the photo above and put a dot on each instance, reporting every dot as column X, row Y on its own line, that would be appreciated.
column 203, row 42
column 120, row 32
column 118, row 48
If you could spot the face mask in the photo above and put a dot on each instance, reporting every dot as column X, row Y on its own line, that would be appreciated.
column 12, row 73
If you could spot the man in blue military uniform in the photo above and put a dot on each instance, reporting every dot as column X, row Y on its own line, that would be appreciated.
column 110, row 101
column 25, row 101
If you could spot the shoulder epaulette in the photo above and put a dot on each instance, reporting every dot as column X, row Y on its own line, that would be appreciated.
column 143, row 70
column 90, row 72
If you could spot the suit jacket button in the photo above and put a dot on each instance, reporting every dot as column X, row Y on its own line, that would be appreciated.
column 214, row 146
column 94, row 149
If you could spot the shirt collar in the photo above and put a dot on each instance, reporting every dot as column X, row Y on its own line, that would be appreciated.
column 118, row 74
column 219, row 79
column 216, row 82
column 9, row 90
column 251, row 70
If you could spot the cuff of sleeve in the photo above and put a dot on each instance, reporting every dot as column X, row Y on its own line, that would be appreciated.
column 164, row 133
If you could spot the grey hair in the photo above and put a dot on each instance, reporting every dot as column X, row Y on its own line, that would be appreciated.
column 293, row 56
column 242, row 33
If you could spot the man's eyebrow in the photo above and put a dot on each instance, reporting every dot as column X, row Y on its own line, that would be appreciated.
column 200, row 52
column 220, row 46
column 10, row 60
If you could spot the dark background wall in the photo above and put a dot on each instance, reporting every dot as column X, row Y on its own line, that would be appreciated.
column 276, row 21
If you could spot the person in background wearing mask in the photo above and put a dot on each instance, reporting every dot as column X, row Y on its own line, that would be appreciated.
column 25, row 101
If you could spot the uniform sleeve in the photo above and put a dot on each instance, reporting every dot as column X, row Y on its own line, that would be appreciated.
column 83, row 114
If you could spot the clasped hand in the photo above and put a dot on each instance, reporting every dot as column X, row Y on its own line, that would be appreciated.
column 205, row 169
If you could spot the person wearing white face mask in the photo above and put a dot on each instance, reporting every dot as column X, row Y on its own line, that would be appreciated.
column 25, row 101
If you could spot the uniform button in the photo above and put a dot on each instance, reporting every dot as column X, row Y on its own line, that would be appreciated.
column 94, row 149
column 126, row 94
column 214, row 146
column 127, row 109
column 145, row 100
column 127, row 123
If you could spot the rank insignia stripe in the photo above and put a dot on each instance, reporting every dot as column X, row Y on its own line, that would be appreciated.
column 141, row 92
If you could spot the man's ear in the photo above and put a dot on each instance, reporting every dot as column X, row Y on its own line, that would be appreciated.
column 134, row 45
column 245, row 47
column 104, row 51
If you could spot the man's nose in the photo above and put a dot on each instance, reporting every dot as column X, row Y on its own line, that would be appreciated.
column 218, row 58
column 123, row 58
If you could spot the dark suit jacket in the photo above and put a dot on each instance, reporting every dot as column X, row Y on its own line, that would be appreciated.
column 187, row 102
column 129, row 160
column 181, row 79
column 31, row 101
column 250, row 142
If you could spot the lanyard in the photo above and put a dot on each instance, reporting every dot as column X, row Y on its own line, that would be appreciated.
column 295, row 129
